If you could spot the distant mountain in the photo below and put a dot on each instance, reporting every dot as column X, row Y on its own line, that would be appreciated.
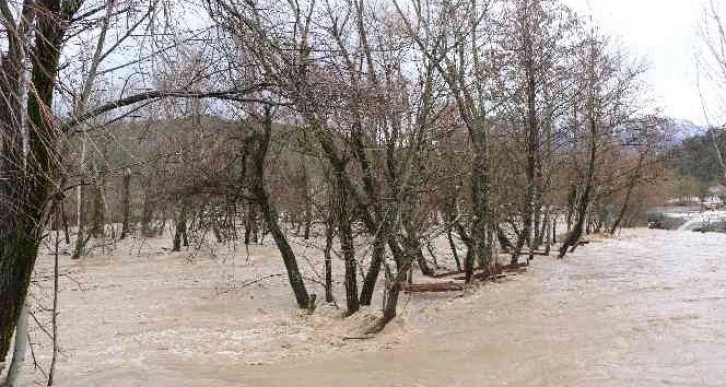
column 680, row 130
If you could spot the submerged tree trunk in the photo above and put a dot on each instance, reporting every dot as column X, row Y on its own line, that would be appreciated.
column 180, row 232
column 27, row 180
column 369, row 283
column 21, row 344
column 288, row 256
column 261, row 144
column 394, row 284
column 18, row 250
column 573, row 237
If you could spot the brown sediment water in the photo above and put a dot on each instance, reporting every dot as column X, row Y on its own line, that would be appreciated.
column 647, row 308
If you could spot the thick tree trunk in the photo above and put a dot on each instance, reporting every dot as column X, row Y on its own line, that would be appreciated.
column 18, row 250
column 389, row 310
column 394, row 286
column 369, row 283
column 27, row 190
column 308, row 222
column 351, row 284
column 479, row 249
column 288, row 256
column 180, row 232
column 413, row 248
column 545, row 233
column 345, row 234
column 21, row 344
column 269, row 214
column 147, row 216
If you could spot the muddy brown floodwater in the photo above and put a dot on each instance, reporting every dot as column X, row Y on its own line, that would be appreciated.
column 647, row 308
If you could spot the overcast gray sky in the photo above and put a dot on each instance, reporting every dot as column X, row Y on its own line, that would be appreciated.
column 665, row 34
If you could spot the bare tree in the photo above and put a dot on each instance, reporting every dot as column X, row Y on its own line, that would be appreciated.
column 36, row 33
column 712, row 65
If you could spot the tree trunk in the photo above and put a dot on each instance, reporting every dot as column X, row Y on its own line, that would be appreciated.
column 351, row 285
column 389, row 309
column 21, row 230
column 18, row 250
column 251, row 226
column 628, row 194
column 308, row 210
column 379, row 255
column 391, row 301
column 329, row 235
column 269, row 214
column 180, row 232
column 81, row 233
column 452, row 245
column 288, row 256
column 147, row 216
column 344, row 220
column 479, row 249
column 581, row 215
column 21, row 344
column 126, row 204
column 504, row 242
column 413, row 248
column 98, row 217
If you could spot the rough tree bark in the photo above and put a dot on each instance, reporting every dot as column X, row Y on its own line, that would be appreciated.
column 344, row 220
column 28, row 181
column 180, row 232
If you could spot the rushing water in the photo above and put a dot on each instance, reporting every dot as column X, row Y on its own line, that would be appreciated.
column 647, row 308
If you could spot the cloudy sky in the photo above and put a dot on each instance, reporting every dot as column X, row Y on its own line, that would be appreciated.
column 665, row 34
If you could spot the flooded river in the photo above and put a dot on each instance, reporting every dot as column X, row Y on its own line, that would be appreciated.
column 645, row 309
column 648, row 309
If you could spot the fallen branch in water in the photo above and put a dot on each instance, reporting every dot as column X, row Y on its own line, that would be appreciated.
column 250, row 283
column 433, row 287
